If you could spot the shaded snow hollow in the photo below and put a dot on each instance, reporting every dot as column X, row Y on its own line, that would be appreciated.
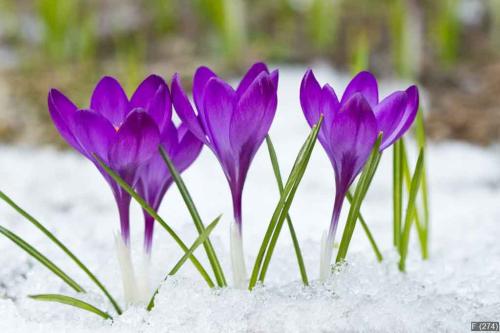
column 459, row 284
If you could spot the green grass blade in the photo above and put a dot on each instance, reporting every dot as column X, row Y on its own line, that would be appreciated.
column 280, row 206
column 368, row 233
column 279, row 181
column 421, row 228
column 204, row 236
column 359, row 195
column 397, row 191
column 293, row 181
column 63, row 299
column 157, row 217
column 272, row 223
column 41, row 258
column 212, row 256
column 70, row 254
column 421, row 140
column 410, row 209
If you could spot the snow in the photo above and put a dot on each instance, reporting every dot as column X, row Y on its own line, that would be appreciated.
column 459, row 284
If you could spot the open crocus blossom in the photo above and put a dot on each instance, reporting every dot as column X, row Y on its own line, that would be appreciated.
column 233, row 124
column 123, row 133
column 350, row 129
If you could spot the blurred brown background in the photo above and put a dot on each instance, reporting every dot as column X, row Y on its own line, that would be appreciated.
column 450, row 47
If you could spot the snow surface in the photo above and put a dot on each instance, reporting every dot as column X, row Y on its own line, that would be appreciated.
column 459, row 284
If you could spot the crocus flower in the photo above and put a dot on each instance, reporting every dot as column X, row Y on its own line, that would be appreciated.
column 154, row 177
column 350, row 129
column 233, row 124
column 124, row 133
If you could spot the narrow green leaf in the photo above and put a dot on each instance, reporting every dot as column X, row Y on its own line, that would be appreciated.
column 212, row 256
column 157, row 217
column 204, row 235
column 63, row 299
column 279, row 181
column 41, row 258
column 368, row 233
column 421, row 228
column 359, row 195
column 410, row 209
column 281, row 211
column 421, row 140
column 280, row 206
column 397, row 191
column 57, row 242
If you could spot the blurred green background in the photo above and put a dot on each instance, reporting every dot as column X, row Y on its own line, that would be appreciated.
column 450, row 47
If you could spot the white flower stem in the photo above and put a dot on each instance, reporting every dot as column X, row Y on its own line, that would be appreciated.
column 325, row 256
column 237, row 258
column 127, row 270
column 144, row 290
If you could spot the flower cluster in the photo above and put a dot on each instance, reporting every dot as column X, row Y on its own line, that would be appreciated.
column 126, row 134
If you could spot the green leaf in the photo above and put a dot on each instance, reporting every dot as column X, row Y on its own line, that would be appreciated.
column 397, row 191
column 282, row 207
column 41, row 258
column 421, row 228
column 410, row 209
column 63, row 299
column 57, row 242
column 368, row 233
column 359, row 195
column 212, row 256
column 201, row 239
column 157, row 217
column 279, row 181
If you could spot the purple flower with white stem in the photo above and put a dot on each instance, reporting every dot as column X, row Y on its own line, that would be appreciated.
column 350, row 129
column 233, row 124
column 123, row 133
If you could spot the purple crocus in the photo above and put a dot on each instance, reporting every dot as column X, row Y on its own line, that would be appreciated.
column 233, row 124
column 350, row 129
column 124, row 134
column 155, row 179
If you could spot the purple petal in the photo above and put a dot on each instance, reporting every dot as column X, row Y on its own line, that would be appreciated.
column 200, row 79
column 389, row 113
column 185, row 110
column 353, row 135
column 137, row 141
column 169, row 138
column 62, row 111
column 110, row 100
column 153, row 96
column 250, row 76
column 146, row 91
column 253, row 115
column 160, row 107
column 410, row 112
column 187, row 150
column 329, row 106
column 275, row 76
column 154, row 177
column 364, row 83
column 94, row 133
column 310, row 97
column 218, row 104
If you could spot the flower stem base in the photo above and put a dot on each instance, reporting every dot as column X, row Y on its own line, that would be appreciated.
column 325, row 256
column 130, row 290
column 237, row 258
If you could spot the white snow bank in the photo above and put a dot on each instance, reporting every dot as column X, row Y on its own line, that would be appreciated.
column 459, row 284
